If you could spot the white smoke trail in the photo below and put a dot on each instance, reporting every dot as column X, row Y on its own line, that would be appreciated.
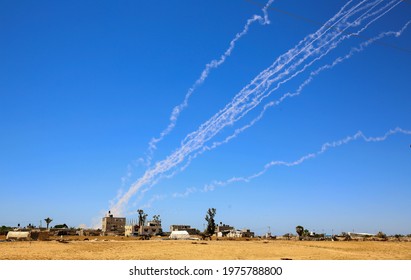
column 324, row 148
column 312, row 75
column 257, row 101
column 251, row 95
column 204, row 74
column 248, row 98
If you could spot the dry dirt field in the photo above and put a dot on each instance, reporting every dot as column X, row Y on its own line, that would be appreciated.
column 109, row 249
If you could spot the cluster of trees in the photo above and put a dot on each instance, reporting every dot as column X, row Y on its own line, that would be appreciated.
column 4, row 230
column 303, row 232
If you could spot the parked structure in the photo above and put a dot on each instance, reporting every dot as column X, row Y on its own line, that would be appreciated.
column 113, row 225
column 18, row 235
column 360, row 234
column 179, row 235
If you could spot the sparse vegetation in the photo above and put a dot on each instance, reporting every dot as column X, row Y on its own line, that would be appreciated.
column 61, row 226
column 398, row 236
column 382, row 235
column 4, row 230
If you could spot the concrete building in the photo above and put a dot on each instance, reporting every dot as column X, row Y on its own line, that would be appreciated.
column 150, row 229
column 131, row 230
column 113, row 225
column 240, row 233
column 189, row 229
column 222, row 230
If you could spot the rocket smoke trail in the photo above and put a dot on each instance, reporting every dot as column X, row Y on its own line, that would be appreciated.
column 324, row 148
column 204, row 74
column 312, row 48
column 312, row 75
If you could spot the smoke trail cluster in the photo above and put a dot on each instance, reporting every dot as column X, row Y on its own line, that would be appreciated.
column 350, row 21
column 152, row 145
column 306, row 82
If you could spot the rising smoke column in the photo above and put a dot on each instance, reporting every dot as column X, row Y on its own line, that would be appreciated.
column 310, row 49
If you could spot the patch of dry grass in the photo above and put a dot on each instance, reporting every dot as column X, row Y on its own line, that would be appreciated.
column 126, row 249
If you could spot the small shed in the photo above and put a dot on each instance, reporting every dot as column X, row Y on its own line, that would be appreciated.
column 18, row 235
column 179, row 235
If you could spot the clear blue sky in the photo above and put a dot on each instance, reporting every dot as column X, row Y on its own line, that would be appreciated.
column 85, row 86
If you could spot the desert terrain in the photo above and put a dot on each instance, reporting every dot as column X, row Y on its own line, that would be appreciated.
column 254, row 249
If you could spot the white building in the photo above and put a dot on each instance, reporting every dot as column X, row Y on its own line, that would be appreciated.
column 235, row 233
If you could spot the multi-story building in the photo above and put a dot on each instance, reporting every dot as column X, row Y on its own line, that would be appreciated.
column 223, row 229
column 150, row 229
column 113, row 225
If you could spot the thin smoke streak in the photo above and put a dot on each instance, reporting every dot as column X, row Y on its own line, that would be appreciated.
column 300, row 88
column 196, row 140
column 204, row 74
column 324, row 148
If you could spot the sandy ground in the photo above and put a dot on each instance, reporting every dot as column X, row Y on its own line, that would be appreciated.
column 204, row 250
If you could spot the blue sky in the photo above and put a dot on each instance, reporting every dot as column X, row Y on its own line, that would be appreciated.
column 86, row 85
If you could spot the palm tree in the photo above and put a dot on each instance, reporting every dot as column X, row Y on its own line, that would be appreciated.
column 157, row 220
column 141, row 217
column 48, row 221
